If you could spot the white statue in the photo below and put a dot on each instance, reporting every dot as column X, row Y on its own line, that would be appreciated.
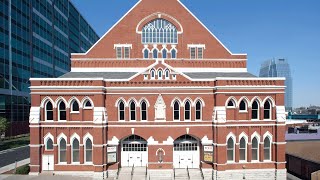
column 160, row 109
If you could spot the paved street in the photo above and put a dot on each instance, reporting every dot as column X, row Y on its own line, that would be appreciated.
column 9, row 156
column 41, row 177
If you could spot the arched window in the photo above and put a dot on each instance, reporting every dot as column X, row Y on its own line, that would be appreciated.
column 159, row 31
column 153, row 74
column 231, row 104
column 143, row 111
column 155, row 53
column 164, row 53
column 88, row 151
column 49, row 111
column 121, row 111
column 167, row 73
column 75, row 150
column 255, row 110
column 173, row 54
column 49, row 144
column 187, row 111
column 62, row 151
column 243, row 106
column 176, row 111
column 198, row 110
column 267, row 110
column 87, row 104
column 255, row 149
column 243, row 149
column 267, row 149
column 62, row 111
column 230, row 149
column 146, row 54
column 132, row 111
column 75, row 106
column 159, row 74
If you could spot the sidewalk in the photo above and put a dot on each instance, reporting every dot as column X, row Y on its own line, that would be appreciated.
column 11, row 166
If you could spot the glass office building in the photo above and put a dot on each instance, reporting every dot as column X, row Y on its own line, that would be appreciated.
column 36, row 39
column 279, row 68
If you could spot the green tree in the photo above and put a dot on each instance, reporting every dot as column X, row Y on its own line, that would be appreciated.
column 4, row 124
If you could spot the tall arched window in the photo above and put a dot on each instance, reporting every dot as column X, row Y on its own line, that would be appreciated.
column 49, row 144
column 231, row 104
column 230, row 149
column 243, row 149
column 173, row 54
column 255, row 149
column 267, row 149
column 75, row 150
column 88, row 151
column 255, row 110
column 62, row 111
column 159, row 31
column 132, row 111
column 167, row 72
column 187, row 111
column 176, row 111
column 62, row 151
column 267, row 110
column 121, row 111
column 143, row 111
column 164, row 53
column 243, row 106
column 49, row 111
column 146, row 54
column 198, row 110
column 155, row 53
column 160, row 74
column 87, row 104
column 75, row 106
column 153, row 74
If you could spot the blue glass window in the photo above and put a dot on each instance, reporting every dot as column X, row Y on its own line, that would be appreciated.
column 159, row 31
column 173, row 54
column 146, row 54
column 164, row 53
column 155, row 53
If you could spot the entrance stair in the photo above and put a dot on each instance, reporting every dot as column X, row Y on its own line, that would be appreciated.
column 195, row 174
column 137, row 173
column 160, row 174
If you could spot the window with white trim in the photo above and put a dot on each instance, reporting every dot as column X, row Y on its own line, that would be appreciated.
column 267, row 149
column 230, row 149
column 200, row 53
column 164, row 53
column 231, row 104
column 49, row 111
column 192, row 53
column 143, row 111
column 153, row 74
column 187, row 111
column 119, row 52
column 267, row 110
column 173, row 54
column 132, row 111
column 62, row 151
column 88, row 151
column 198, row 110
column 243, row 106
column 243, row 149
column 255, row 110
column 87, row 104
column 167, row 74
column 255, row 149
column 75, row 150
column 155, row 53
column 49, row 144
column 146, row 54
column 121, row 111
column 159, row 31
column 159, row 74
column 74, row 106
column 176, row 111
column 62, row 111
column 126, row 52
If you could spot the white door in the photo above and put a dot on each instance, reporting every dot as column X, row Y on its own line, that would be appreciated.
column 48, row 162
column 134, row 152
column 186, row 152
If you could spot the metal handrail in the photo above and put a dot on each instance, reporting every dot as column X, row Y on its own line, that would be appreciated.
column 174, row 173
column 201, row 173
column 146, row 172
column 188, row 172
column 118, row 172
column 132, row 171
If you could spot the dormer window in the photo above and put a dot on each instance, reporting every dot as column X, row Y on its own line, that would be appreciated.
column 196, row 51
column 123, row 50
column 119, row 52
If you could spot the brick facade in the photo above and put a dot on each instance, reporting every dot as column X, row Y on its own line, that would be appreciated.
column 208, row 84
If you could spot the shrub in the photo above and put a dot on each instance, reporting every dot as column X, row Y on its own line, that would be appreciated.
column 23, row 169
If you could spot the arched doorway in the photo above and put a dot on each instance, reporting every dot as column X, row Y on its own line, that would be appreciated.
column 186, row 152
column 134, row 151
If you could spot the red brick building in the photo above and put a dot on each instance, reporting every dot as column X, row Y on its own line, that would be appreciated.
column 159, row 90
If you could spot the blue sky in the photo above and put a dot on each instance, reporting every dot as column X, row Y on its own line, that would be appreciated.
column 263, row 29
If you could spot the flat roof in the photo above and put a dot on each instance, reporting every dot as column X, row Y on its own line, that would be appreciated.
column 308, row 150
